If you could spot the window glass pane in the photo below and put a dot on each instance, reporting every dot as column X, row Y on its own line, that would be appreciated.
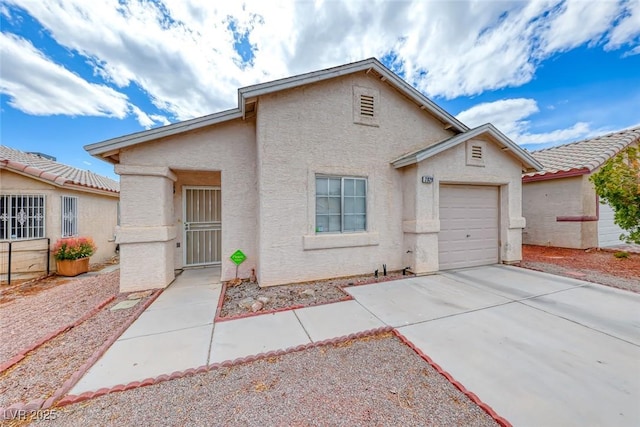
column 361, row 186
column 334, row 223
column 334, row 186
column 349, row 223
column 322, row 224
column 359, row 222
column 349, row 187
column 349, row 205
column 322, row 186
column 334, row 205
column 361, row 205
column 322, row 205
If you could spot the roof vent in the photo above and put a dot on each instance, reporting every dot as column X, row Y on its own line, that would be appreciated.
column 366, row 105
column 475, row 153
column 44, row 156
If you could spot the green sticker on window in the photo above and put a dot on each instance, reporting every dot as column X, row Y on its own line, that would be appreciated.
column 238, row 257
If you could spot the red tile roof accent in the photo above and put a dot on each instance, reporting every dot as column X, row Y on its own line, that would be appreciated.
column 54, row 172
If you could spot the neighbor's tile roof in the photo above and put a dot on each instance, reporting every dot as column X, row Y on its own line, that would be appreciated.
column 57, row 173
column 587, row 154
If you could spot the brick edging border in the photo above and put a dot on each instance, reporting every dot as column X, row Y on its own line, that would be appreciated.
column 488, row 409
column 23, row 353
column 33, row 405
column 71, row 399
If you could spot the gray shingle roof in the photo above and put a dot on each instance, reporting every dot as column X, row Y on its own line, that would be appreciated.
column 588, row 154
column 57, row 173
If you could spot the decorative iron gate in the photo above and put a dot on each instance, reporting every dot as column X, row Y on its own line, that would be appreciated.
column 202, row 215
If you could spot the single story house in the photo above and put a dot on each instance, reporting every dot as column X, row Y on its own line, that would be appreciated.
column 560, row 203
column 325, row 174
column 41, row 198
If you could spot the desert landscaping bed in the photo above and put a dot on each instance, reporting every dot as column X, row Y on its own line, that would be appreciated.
column 374, row 380
column 45, row 369
column 591, row 265
column 247, row 297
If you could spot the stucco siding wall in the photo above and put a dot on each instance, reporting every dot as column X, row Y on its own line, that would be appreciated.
column 545, row 201
column 97, row 214
column 227, row 149
column 309, row 131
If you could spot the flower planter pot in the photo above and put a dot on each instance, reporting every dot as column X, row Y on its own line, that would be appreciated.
column 72, row 267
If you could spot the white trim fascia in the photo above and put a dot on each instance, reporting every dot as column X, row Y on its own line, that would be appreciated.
column 487, row 128
column 125, row 141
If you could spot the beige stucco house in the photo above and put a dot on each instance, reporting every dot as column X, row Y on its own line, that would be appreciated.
column 41, row 198
column 325, row 174
column 560, row 203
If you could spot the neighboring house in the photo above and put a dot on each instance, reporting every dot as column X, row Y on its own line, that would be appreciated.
column 41, row 198
column 325, row 174
column 560, row 203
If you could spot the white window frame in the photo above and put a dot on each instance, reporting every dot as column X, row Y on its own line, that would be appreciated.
column 342, row 203
column 30, row 224
column 69, row 216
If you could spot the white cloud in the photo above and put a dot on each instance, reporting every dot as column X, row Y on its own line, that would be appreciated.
column 509, row 115
column 181, row 52
column 48, row 88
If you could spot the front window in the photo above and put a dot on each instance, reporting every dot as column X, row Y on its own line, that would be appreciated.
column 341, row 204
column 21, row 217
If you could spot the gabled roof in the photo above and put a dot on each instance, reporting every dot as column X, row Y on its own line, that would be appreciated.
column 582, row 157
column 108, row 150
column 528, row 162
column 53, row 172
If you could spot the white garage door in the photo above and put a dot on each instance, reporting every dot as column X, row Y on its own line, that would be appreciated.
column 468, row 226
column 608, row 232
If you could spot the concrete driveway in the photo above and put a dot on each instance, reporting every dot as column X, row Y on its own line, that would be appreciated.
column 539, row 349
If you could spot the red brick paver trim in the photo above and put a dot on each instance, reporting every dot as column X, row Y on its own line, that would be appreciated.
column 488, row 409
column 10, row 411
column 22, row 353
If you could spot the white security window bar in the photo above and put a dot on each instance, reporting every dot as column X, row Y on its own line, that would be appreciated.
column 21, row 217
column 341, row 204
column 69, row 216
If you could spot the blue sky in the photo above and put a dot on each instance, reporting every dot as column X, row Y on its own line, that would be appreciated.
column 77, row 72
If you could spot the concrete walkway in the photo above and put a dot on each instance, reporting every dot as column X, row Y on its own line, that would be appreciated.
column 540, row 349
column 177, row 332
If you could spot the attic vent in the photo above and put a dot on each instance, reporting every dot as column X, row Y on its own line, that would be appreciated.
column 475, row 153
column 366, row 105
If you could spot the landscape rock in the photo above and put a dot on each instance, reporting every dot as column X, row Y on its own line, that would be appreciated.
column 246, row 303
column 139, row 295
column 308, row 293
column 264, row 300
column 257, row 306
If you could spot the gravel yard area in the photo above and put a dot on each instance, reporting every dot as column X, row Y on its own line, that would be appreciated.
column 32, row 310
column 370, row 381
column 239, row 299
column 46, row 368
column 590, row 265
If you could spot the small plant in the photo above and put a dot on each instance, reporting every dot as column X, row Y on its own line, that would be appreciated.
column 621, row 254
column 73, row 248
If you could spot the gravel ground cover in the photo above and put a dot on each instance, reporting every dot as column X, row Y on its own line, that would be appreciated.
column 46, row 368
column 591, row 265
column 30, row 311
column 370, row 381
column 238, row 299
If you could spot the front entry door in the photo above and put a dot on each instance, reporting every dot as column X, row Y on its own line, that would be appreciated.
column 202, row 225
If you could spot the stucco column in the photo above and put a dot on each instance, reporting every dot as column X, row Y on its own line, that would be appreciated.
column 420, row 225
column 146, row 234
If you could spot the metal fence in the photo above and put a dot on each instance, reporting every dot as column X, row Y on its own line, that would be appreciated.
column 24, row 259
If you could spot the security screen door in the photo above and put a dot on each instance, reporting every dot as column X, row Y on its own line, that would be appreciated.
column 202, row 225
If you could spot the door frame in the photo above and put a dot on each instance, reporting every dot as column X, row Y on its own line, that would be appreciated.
column 184, row 228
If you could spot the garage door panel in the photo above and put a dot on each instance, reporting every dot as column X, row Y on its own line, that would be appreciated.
column 469, row 226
